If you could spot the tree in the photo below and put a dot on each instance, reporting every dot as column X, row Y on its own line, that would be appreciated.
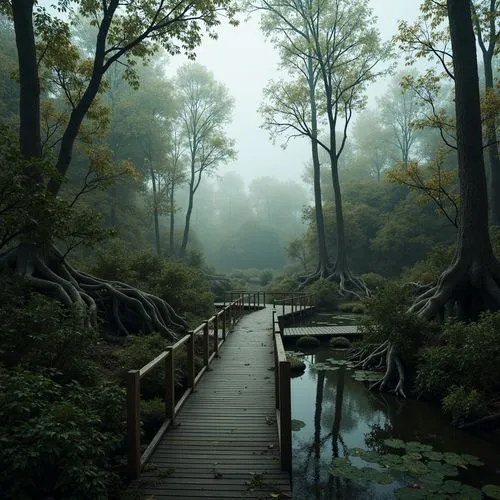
column 175, row 176
column 291, row 107
column 347, row 48
column 400, row 108
column 205, row 108
column 471, row 283
column 122, row 36
column 428, row 37
column 372, row 144
column 338, row 47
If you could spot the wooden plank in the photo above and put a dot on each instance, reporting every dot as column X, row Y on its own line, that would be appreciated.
column 319, row 331
column 226, row 427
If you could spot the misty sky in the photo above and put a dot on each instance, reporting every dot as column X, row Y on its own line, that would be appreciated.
column 245, row 62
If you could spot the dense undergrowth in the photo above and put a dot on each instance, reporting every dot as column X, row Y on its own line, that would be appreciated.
column 62, row 398
column 453, row 362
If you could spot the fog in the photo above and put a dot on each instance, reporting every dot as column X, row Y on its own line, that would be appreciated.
column 244, row 61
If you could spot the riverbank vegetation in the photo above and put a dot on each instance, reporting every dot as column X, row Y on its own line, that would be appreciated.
column 115, row 236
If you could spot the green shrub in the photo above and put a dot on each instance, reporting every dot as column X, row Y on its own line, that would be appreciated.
column 429, row 270
column 307, row 342
column 40, row 333
column 327, row 292
column 152, row 416
column 185, row 288
column 138, row 352
column 297, row 365
column 58, row 441
column 340, row 342
column 265, row 277
column 373, row 281
column 388, row 318
column 467, row 357
column 463, row 403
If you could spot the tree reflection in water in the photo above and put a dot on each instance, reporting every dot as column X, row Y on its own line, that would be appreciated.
column 340, row 414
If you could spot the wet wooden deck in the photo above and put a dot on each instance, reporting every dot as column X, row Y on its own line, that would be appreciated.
column 224, row 443
column 321, row 331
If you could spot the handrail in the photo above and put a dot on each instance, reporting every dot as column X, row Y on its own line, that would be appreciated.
column 283, row 403
column 252, row 299
column 298, row 301
column 225, row 320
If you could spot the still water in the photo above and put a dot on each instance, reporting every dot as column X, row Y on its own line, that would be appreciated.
column 340, row 414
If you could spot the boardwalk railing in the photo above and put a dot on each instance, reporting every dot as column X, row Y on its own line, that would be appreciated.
column 283, row 403
column 293, row 304
column 224, row 320
column 251, row 299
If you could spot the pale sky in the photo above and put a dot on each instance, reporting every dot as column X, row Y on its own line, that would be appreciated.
column 242, row 60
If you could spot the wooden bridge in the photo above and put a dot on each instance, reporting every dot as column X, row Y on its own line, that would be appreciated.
column 230, row 432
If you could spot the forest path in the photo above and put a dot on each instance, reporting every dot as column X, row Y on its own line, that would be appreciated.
column 225, row 440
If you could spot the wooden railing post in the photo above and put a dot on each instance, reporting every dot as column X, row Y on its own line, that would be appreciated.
column 281, row 324
column 216, row 334
column 206, row 344
column 285, row 416
column 170, row 385
column 276, row 376
column 190, row 360
column 134, row 423
column 224, row 312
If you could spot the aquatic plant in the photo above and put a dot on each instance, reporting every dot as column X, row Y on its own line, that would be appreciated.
column 428, row 471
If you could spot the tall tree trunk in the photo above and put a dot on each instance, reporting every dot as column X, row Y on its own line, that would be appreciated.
column 172, row 220
column 323, row 263
column 472, row 283
column 473, row 234
column 491, row 140
column 341, row 260
column 185, row 235
column 29, row 84
column 155, row 210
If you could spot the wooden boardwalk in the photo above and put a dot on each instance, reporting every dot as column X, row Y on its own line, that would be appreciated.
column 224, row 443
column 321, row 331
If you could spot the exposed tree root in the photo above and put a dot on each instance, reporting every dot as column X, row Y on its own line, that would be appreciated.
column 127, row 308
column 321, row 272
column 464, row 290
column 349, row 284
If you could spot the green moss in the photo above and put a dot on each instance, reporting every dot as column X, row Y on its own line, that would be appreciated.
column 307, row 342
column 340, row 342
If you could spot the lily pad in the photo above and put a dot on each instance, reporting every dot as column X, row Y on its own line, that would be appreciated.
column 491, row 491
column 433, row 455
column 339, row 362
column 445, row 469
column 369, row 376
column 416, row 467
column 297, row 424
column 389, row 459
column 394, row 443
column 451, row 487
column 410, row 493
column 471, row 460
column 469, row 493
column 416, row 446
column 431, row 481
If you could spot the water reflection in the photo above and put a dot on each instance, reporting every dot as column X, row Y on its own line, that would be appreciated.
column 340, row 414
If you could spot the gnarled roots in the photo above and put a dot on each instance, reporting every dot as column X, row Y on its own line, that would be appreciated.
column 349, row 284
column 465, row 289
column 127, row 308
